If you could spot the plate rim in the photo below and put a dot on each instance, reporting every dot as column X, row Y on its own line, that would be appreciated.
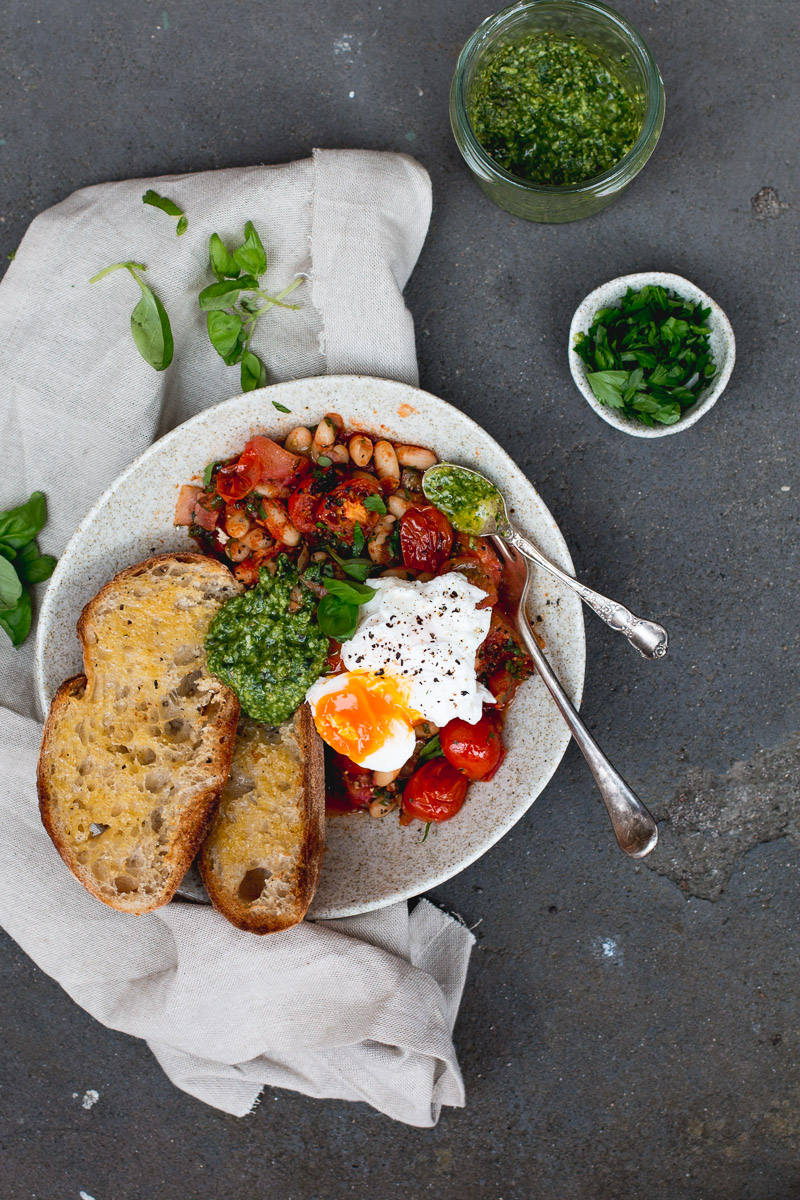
column 62, row 575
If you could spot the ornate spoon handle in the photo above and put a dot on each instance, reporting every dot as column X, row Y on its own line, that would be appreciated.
column 649, row 638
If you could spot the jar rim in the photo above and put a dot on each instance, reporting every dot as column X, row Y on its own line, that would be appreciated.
column 650, row 125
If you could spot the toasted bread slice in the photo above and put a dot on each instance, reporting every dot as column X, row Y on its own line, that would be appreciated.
column 135, row 752
column 261, row 860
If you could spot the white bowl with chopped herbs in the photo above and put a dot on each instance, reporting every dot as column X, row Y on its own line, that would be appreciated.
column 651, row 353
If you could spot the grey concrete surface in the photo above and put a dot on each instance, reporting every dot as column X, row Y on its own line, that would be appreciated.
column 626, row 1031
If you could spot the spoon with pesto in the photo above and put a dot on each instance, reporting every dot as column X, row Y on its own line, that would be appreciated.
column 473, row 505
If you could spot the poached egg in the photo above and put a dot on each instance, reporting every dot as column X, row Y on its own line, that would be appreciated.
column 411, row 658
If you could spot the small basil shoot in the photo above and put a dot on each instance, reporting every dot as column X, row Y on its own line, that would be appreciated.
column 337, row 613
column 356, row 568
column 236, row 301
column 375, row 504
column 431, row 749
column 150, row 327
column 169, row 207
column 358, row 538
column 649, row 358
column 280, row 407
column 21, row 563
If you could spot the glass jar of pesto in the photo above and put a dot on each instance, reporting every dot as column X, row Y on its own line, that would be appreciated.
column 556, row 105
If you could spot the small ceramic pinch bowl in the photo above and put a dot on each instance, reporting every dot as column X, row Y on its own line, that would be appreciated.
column 721, row 343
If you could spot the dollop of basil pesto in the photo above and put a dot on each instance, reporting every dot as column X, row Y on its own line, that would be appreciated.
column 550, row 109
column 266, row 654
column 468, row 500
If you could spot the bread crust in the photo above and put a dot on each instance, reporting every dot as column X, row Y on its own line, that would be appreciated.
column 305, row 876
column 199, row 812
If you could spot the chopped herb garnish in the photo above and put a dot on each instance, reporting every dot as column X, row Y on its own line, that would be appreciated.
column 169, row 207
column 280, row 407
column 431, row 749
column 208, row 474
column 375, row 504
column 648, row 358
column 324, row 461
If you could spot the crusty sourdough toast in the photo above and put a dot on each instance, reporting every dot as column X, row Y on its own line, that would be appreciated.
column 135, row 752
column 261, row 860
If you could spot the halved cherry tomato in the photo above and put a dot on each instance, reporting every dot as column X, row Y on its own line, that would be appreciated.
column 426, row 538
column 238, row 479
column 482, row 550
column 303, row 505
column 475, row 572
column 435, row 792
column 357, row 781
column 502, row 647
column 477, row 749
column 344, row 506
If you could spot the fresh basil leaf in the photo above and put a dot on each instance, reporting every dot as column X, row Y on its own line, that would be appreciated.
column 358, row 538
column 10, row 586
column 251, row 255
column 167, row 206
column 208, row 474
column 431, row 749
column 224, row 331
column 254, row 373
column 182, row 226
column 151, row 329
column 353, row 593
column 223, row 264
column 32, row 566
column 375, row 504
column 16, row 621
column 356, row 568
column 20, row 525
column 607, row 386
column 225, row 293
column 280, row 407
column 337, row 618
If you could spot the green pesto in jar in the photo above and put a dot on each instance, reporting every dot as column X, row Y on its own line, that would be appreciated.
column 266, row 654
column 469, row 501
column 549, row 109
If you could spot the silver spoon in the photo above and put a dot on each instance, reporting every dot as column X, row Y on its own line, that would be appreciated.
column 635, row 829
column 475, row 506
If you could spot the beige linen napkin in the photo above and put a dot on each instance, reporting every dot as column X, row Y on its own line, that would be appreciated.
column 359, row 1009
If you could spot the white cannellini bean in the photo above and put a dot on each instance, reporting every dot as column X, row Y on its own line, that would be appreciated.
column 397, row 505
column 382, row 808
column 298, row 441
column 338, row 454
column 236, row 550
column 257, row 539
column 279, row 524
column 384, row 778
column 377, row 544
column 324, row 436
column 415, row 456
column 237, row 522
column 386, row 463
column 360, row 449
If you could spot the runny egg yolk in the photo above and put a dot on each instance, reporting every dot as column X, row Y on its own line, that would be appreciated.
column 365, row 717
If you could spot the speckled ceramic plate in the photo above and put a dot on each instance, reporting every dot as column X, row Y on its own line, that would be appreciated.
column 368, row 862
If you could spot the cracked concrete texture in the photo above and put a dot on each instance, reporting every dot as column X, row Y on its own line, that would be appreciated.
column 714, row 819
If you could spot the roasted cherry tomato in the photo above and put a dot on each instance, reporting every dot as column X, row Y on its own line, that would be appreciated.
column 480, row 549
column 477, row 749
column 344, row 506
column 238, row 479
column 435, row 792
column 475, row 572
column 303, row 505
column 426, row 538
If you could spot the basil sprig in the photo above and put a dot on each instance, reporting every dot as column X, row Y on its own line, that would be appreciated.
column 235, row 302
column 649, row 358
column 150, row 325
column 21, row 563
column 169, row 207
column 337, row 613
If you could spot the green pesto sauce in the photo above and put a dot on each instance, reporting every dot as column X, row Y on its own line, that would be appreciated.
column 548, row 109
column 267, row 655
column 466, row 499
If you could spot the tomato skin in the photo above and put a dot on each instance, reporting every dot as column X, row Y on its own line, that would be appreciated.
column 435, row 792
column 475, row 573
column 480, row 549
column 303, row 504
column 426, row 538
column 238, row 479
column 344, row 506
column 477, row 749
